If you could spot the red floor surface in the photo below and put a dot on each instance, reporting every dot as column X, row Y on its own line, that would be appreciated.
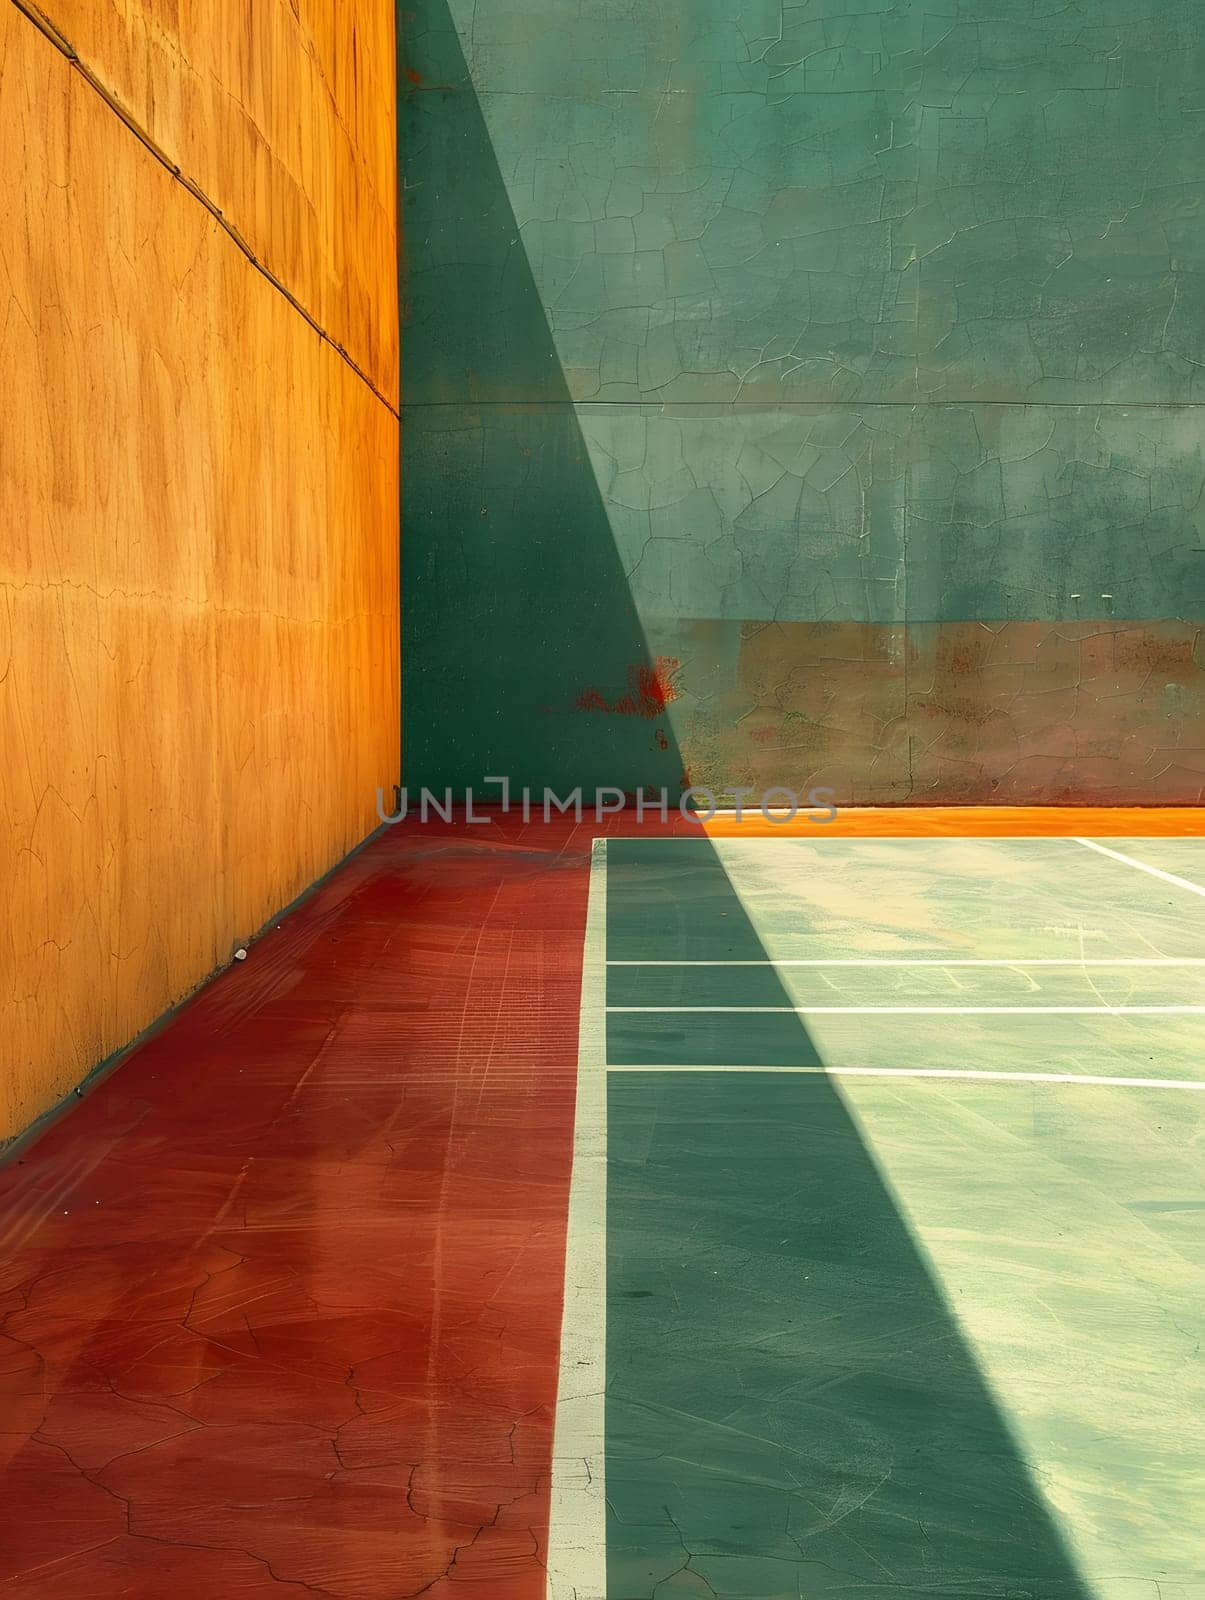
column 281, row 1297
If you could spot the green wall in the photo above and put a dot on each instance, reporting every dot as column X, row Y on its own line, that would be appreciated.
column 837, row 367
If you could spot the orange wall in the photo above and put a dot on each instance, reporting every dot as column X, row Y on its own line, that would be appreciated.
column 199, row 493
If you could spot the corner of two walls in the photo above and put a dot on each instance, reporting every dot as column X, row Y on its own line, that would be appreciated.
column 200, row 495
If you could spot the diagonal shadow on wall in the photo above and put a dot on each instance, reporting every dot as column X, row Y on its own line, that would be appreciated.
column 522, row 653
column 792, row 1408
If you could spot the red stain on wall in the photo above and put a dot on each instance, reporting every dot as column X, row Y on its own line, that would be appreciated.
column 650, row 690
column 1138, row 649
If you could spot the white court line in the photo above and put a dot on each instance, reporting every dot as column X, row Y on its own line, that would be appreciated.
column 577, row 1531
column 937, row 1072
column 935, row 1011
column 937, row 961
column 1155, row 872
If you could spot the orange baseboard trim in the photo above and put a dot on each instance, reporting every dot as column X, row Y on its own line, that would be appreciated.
column 982, row 822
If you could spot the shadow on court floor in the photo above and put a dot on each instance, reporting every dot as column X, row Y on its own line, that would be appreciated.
column 792, row 1408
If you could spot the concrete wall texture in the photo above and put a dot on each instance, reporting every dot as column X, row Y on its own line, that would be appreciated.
column 836, row 367
column 199, row 459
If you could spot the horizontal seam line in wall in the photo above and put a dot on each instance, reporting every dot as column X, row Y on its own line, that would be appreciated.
column 830, row 405
column 47, row 28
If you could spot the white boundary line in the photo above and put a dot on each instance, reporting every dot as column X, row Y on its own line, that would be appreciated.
column 1142, row 866
column 935, row 1072
column 577, row 1531
column 938, row 961
column 928, row 1011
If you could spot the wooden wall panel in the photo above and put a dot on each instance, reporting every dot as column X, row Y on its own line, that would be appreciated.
column 279, row 111
column 198, row 585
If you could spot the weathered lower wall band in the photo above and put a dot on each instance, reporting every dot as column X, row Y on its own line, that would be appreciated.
column 1100, row 712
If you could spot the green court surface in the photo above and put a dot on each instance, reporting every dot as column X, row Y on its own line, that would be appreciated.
column 903, row 1235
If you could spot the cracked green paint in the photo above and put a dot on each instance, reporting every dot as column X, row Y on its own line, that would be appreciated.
column 885, row 315
column 916, row 201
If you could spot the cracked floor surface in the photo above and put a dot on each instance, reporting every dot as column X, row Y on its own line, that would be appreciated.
column 281, row 1296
